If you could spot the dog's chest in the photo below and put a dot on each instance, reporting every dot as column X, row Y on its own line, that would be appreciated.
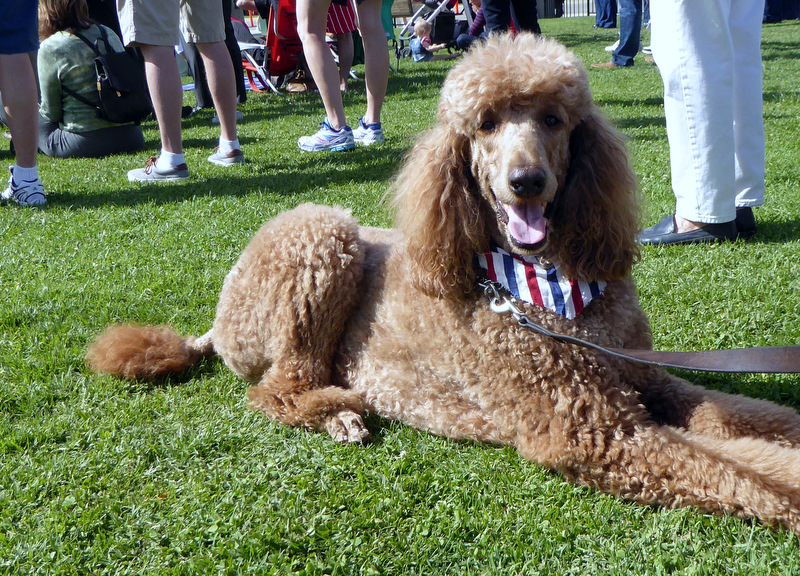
column 422, row 353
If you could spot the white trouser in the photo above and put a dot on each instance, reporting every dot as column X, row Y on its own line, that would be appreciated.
column 709, row 56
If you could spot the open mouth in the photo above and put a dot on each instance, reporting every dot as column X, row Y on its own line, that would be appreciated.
column 526, row 224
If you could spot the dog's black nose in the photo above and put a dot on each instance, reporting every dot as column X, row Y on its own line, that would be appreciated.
column 527, row 182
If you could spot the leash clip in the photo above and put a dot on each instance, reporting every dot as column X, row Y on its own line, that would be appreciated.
column 499, row 302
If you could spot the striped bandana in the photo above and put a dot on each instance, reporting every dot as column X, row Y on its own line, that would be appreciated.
column 529, row 281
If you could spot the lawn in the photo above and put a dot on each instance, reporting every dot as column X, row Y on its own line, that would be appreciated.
column 104, row 476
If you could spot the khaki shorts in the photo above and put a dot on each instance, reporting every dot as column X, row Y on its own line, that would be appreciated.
column 162, row 22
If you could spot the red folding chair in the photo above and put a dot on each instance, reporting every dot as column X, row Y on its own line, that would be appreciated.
column 266, row 64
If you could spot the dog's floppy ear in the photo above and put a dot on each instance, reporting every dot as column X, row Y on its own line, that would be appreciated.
column 438, row 212
column 598, row 211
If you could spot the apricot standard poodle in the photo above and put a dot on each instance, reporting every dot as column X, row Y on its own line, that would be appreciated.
column 521, row 180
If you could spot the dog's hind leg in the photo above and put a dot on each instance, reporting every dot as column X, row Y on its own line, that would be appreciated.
column 658, row 465
column 767, row 458
column 282, row 313
column 681, row 404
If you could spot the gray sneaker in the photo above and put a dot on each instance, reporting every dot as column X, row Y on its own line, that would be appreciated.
column 24, row 193
column 229, row 159
column 152, row 174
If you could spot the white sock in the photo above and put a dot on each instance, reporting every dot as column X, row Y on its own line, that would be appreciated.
column 168, row 160
column 226, row 146
column 25, row 174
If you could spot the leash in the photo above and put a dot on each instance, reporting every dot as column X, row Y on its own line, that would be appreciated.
column 766, row 360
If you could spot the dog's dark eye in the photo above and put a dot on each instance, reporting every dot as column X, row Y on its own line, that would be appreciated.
column 551, row 121
column 487, row 126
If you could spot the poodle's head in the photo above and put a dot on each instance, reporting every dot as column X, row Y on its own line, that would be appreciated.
column 520, row 157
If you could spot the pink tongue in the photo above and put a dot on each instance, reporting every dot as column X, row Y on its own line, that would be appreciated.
column 526, row 223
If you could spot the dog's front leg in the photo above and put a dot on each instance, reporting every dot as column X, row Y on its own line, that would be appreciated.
column 298, row 403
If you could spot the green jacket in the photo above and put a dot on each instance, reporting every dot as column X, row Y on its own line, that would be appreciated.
column 64, row 60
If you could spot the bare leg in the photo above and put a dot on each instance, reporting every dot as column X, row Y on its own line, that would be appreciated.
column 376, row 57
column 164, row 81
column 311, row 21
column 222, row 84
column 346, row 51
column 18, row 87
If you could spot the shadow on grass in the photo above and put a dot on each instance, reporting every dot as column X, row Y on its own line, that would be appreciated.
column 312, row 173
column 776, row 232
column 206, row 366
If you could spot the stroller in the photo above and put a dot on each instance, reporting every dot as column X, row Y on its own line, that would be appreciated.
column 442, row 19
column 267, row 63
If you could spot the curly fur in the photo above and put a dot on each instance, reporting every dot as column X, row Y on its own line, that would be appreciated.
column 330, row 319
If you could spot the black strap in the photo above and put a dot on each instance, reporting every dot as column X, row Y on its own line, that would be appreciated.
column 97, row 52
column 93, row 46
column 80, row 98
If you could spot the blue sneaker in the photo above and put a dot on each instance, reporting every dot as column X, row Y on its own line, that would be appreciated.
column 327, row 138
column 368, row 134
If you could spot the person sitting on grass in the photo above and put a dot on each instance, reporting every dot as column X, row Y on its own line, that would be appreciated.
column 464, row 41
column 68, row 127
column 422, row 49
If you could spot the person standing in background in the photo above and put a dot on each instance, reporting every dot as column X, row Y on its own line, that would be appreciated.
column 630, row 31
column 334, row 133
column 155, row 27
column 18, row 39
column 709, row 57
column 341, row 25
column 500, row 13
column 605, row 13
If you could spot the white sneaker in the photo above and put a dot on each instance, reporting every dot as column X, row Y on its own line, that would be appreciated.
column 647, row 50
column 229, row 159
column 150, row 173
column 613, row 47
column 368, row 134
column 327, row 138
column 24, row 193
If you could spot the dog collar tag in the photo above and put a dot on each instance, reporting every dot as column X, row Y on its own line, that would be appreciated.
column 527, row 279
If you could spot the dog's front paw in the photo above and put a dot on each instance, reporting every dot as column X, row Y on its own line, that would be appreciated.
column 347, row 426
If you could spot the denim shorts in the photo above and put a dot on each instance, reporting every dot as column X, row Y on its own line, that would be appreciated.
column 162, row 22
column 18, row 27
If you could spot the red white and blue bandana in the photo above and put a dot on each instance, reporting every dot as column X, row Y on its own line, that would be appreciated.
column 528, row 280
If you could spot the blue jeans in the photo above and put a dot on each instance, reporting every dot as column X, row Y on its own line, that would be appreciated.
column 630, row 28
column 606, row 16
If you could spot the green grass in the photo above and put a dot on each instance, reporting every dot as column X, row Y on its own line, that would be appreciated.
column 102, row 476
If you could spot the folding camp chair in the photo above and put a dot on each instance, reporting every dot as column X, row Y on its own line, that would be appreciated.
column 268, row 63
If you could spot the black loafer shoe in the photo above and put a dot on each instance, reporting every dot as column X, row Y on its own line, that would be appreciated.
column 745, row 223
column 665, row 232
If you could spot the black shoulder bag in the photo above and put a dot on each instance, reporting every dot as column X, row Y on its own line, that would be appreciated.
column 121, row 84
